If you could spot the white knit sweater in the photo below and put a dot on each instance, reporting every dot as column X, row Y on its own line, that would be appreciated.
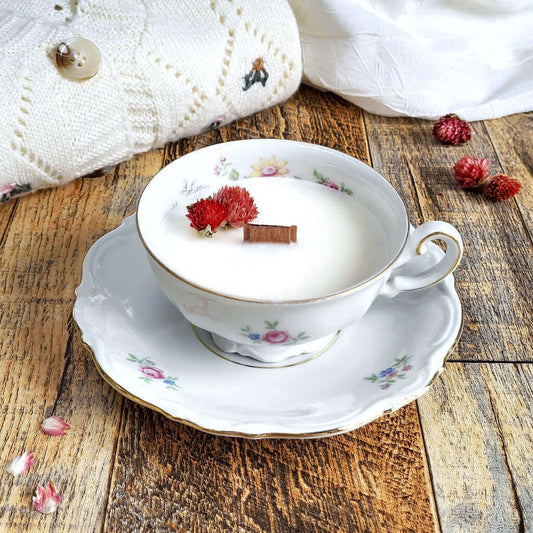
column 170, row 69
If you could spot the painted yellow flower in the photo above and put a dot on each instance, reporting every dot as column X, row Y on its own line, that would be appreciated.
column 269, row 168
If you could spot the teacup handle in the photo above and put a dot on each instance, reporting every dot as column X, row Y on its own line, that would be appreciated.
column 417, row 245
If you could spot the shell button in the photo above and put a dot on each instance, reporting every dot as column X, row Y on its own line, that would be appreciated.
column 77, row 59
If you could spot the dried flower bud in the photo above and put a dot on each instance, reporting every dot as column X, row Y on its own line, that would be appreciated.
column 240, row 206
column 206, row 216
column 501, row 187
column 450, row 129
column 470, row 172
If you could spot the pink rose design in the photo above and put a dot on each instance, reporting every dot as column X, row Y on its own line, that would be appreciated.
column 276, row 337
column 331, row 185
column 222, row 159
column 152, row 372
column 216, row 170
column 269, row 171
column 7, row 188
column 406, row 368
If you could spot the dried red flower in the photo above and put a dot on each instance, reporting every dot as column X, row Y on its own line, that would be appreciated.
column 470, row 172
column 206, row 216
column 240, row 206
column 501, row 187
column 450, row 129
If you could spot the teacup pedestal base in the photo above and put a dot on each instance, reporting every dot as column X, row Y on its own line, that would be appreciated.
column 272, row 353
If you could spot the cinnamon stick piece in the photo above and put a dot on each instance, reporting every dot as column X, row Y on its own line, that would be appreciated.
column 269, row 233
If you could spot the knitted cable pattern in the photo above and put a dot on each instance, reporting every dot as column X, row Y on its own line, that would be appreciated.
column 170, row 69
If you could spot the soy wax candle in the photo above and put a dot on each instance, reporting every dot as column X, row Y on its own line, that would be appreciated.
column 340, row 244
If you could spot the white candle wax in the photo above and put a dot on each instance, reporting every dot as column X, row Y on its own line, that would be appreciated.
column 340, row 244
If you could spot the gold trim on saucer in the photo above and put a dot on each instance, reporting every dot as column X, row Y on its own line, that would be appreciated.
column 324, row 433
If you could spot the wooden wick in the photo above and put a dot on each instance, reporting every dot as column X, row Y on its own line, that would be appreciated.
column 269, row 233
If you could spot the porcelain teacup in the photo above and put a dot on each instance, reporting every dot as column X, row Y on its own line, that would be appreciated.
column 271, row 329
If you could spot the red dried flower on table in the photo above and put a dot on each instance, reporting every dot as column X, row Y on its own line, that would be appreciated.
column 240, row 206
column 470, row 172
column 501, row 187
column 450, row 129
column 206, row 216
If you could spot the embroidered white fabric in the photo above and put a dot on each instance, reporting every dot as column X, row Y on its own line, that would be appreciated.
column 421, row 58
column 169, row 69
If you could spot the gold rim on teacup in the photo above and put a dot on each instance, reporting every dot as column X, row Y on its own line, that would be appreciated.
column 337, row 294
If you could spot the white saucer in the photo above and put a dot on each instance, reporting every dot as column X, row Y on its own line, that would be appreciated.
column 144, row 348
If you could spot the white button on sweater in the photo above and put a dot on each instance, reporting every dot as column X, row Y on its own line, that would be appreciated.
column 169, row 69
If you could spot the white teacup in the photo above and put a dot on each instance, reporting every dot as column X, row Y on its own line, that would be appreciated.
column 271, row 325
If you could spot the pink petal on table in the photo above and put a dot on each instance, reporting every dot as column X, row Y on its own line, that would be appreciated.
column 55, row 426
column 21, row 464
column 46, row 500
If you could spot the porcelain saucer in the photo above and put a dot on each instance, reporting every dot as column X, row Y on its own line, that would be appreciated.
column 144, row 348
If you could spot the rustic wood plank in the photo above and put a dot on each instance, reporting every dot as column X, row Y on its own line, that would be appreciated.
column 169, row 477
column 309, row 116
column 495, row 279
column 512, row 138
column 44, row 369
column 173, row 478
column 478, row 426
column 7, row 212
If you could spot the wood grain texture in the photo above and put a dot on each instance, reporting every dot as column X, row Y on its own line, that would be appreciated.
column 173, row 478
column 495, row 278
column 478, row 428
column 512, row 138
column 43, row 368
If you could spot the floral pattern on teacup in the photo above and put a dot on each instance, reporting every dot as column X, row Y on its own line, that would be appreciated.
column 323, row 180
column 273, row 335
column 225, row 168
column 269, row 168
column 274, row 168
column 150, row 372
column 191, row 187
column 391, row 374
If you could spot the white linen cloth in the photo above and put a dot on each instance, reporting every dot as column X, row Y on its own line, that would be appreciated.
column 421, row 58
column 170, row 69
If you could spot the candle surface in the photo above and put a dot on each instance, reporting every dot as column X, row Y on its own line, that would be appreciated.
column 340, row 244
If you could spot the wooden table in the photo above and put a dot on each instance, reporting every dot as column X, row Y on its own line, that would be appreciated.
column 458, row 459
